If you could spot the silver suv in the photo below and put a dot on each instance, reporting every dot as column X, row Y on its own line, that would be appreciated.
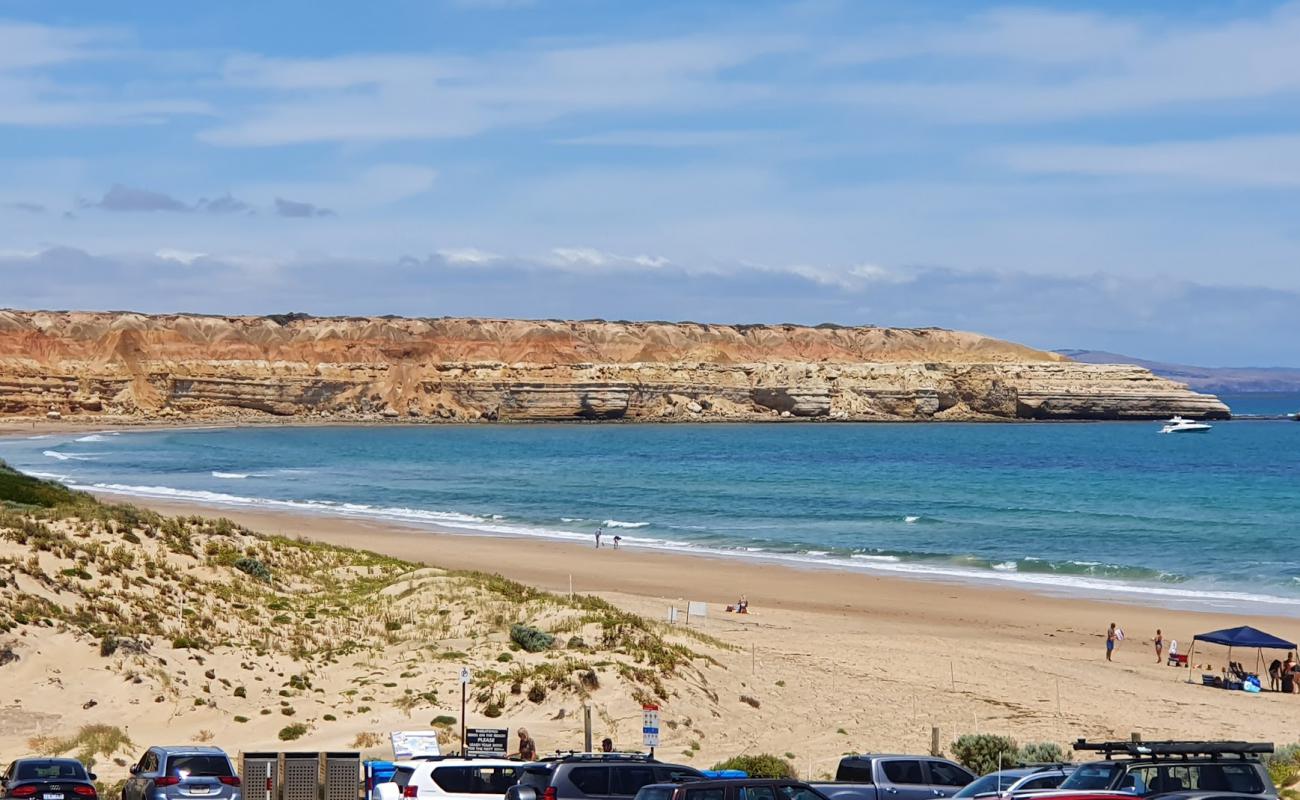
column 182, row 773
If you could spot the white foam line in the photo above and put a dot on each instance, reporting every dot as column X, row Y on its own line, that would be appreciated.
column 1066, row 584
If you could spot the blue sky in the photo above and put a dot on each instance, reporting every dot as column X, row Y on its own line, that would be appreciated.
column 1108, row 175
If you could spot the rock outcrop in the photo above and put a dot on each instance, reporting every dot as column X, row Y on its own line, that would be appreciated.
column 134, row 366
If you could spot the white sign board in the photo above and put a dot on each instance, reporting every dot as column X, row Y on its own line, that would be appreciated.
column 650, row 725
column 464, row 676
column 413, row 744
column 696, row 609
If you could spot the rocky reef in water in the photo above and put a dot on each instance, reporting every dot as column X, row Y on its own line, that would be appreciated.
column 136, row 367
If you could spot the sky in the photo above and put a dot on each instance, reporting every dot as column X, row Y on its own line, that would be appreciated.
column 1108, row 175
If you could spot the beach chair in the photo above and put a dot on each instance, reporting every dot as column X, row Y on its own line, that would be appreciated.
column 1208, row 679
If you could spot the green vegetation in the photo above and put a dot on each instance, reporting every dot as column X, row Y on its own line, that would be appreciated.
column 88, row 742
column 253, row 567
column 1042, row 753
column 1284, row 767
column 290, row 732
column 761, row 765
column 17, row 489
column 984, row 752
column 530, row 638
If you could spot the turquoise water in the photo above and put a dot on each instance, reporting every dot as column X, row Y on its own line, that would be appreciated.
column 1100, row 509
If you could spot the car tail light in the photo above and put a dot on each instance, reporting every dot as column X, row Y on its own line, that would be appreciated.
column 411, row 791
column 166, row 780
column 549, row 794
column 84, row 791
column 23, row 791
column 229, row 780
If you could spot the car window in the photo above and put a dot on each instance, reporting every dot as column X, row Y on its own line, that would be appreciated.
column 757, row 793
column 402, row 776
column 944, row 774
column 1090, row 777
column 902, row 771
column 536, row 777
column 717, row 793
column 151, row 762
column 1044, row 782
column 590, row 780
column 854, row 771
column 475, row 780
column 985, row 785
column 797, row 793
column 654, row 793
column 628, row 780
column 50, row 770
column 199, row 766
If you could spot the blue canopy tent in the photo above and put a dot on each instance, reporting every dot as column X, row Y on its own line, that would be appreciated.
column 1244, row 636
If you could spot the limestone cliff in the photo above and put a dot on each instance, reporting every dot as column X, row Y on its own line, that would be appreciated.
column 134, row 366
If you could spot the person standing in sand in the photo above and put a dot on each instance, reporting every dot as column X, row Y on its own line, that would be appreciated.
column 599, row 532
column 1111, row 636
column 1160, row 645
column 527, row 747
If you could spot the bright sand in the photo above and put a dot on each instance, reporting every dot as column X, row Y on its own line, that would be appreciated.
column 844, row 661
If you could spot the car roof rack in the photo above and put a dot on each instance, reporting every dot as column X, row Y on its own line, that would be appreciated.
column 574, row 755
column 1169, row 748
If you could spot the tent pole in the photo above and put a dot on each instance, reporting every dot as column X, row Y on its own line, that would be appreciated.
column 1190, row 655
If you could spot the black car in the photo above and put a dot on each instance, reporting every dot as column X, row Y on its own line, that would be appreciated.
column 48, row 779
column 595, row 776
column 731, row 789
column 1144, row 769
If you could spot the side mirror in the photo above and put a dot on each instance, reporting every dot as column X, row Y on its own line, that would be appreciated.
column 517, row 792
column 93, row 776
column 135, row 770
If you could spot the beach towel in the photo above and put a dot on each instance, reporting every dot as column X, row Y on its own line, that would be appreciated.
column 1119, row 634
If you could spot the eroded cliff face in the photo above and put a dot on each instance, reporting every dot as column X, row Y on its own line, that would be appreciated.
column 134, row 366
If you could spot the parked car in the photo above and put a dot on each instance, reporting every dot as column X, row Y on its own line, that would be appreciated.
column 891, row 777
column 595, row 776
column 182, row 773
column 455, row 778
column 1150, row 768
column 1018, row 783
column 730, row 789
column 1203, row 796
column 48, row 779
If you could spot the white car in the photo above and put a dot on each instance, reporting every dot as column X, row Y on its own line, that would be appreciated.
column 455, row 778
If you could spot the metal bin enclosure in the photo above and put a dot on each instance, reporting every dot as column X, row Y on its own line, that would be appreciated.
column 299, row 773
column 260, row 776
column 340, row 776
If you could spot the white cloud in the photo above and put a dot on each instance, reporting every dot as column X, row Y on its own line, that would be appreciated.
column 186, row 257
column 467, row 255
column 1244, row 160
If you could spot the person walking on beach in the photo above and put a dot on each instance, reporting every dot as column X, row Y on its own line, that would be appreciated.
column 1160, row 645
column 527, row 747
column 1111, row 638
column 617, row 539
column 599, row 531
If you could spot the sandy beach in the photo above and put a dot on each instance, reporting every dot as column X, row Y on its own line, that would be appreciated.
column 850, row 661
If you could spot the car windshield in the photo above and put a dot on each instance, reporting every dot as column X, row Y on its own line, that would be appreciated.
column 199, row 766
column 50, row 770
column 1091, row 777
column 654, row 793
column 989, row 784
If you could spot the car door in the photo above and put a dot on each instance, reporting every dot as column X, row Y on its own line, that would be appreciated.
column 946, row 779
column 592, row 781
column 903, row 779
column 131, row 789
column 627, row 779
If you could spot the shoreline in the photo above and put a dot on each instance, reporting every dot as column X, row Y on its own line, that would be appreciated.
column 553, row 563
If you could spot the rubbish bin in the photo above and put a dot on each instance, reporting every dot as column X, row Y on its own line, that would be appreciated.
column 299, row 776
column 260, row 774
column 340, row 776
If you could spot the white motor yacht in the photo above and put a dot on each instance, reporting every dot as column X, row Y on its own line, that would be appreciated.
column 1180, row 425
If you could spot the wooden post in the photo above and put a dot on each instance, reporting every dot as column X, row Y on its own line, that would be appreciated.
column 952, row 673
column 935, row 750
column 586, row 728
column 1135, row 737
column 1058, row 697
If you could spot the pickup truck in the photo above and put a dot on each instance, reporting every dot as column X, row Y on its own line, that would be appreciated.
column 885, row 777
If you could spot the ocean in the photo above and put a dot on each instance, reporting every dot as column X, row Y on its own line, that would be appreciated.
column 1099, row 509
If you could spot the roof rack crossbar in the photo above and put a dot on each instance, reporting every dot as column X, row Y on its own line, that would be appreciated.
column 1175, row 748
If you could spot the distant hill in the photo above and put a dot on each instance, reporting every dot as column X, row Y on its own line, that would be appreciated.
column 1203, row 379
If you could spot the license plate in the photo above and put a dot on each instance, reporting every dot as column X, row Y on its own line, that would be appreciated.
column 198, row 790
column 52, row 796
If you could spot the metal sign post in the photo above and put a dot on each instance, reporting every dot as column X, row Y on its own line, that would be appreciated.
column 464, row 690
column 650, row 727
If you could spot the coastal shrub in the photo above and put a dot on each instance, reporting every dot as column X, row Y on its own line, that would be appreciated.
column 290, row 732
column 983, row 753
column 89, row 741
column 1041, row 753
column 1283, row 765
column 254, row 568
column 536, row 693
column 760, row 765
column 20, row 489
column 530, row 638
column 443, row 721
